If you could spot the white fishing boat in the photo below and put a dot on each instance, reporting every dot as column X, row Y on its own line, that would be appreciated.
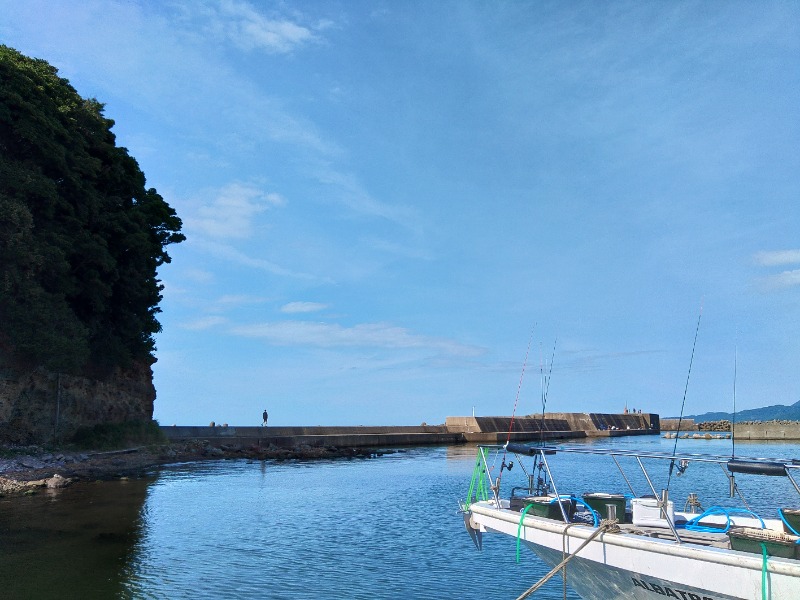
column 614, row 543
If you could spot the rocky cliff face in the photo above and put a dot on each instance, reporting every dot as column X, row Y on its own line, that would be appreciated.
column 38, row 406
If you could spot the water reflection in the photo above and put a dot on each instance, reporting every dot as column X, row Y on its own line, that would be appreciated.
column 362, row 529
column 70, row 543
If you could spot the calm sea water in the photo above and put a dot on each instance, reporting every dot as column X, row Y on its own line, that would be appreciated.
column 380, row 528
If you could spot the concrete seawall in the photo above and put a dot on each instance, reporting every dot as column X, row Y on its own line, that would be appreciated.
column 456, row 430
column 672, row 425
column 289, row 437
column 768, row 431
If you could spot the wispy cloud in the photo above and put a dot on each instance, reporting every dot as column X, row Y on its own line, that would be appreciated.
column 244, row 26
column 229, row 253
column 366, row 335
column 350, row 193
column 781, row 281
column 303, row 307
column 233, row 300
column 204, row 323
column 170, row 65
column 232, row 212
column 773, row 258
column 198, row 275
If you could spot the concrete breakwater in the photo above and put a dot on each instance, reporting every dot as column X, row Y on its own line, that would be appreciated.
column 746, row 430
column 767, row 430
column 456, row 430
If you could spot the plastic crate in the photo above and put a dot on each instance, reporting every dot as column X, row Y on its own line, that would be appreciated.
column 600, row 502
column 748, row 539
column 543, row 506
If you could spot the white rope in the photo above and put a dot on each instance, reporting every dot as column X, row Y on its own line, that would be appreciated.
column 605, row 526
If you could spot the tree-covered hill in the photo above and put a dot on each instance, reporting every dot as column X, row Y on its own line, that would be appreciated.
column 81, row 236
column 777, row 412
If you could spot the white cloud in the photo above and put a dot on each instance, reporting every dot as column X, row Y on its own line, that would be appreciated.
column 781, row 281
column 204, row 323
column 244, row 26
column 329, row 335
column 231, row 214
column 774, row 258
column 303, row 307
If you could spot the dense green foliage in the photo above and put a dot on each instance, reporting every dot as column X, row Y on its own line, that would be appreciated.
column 81, row 237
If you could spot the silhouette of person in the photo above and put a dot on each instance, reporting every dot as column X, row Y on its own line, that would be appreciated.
column 265, row 416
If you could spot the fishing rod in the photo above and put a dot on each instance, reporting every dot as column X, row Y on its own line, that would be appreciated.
column 683, row 404
column 546, row 390
column 514, row 412
column 733, row 417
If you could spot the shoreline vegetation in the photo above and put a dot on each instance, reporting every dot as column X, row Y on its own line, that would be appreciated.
column 25, row 470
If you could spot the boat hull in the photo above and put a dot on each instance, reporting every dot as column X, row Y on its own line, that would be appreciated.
column 596, row 581
column 624, row 565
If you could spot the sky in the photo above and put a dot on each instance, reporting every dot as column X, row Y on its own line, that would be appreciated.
column 398, row 211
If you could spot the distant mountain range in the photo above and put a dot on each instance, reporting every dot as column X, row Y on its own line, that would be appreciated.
column 778, row 412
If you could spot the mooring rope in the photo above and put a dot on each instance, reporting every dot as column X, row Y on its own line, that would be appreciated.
column 608, row 526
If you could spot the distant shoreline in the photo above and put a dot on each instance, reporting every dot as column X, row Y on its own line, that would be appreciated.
column 30, row 470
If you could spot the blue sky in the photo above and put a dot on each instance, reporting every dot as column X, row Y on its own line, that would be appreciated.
column 385, row 202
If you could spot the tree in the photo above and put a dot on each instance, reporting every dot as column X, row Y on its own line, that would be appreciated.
column 81, row 237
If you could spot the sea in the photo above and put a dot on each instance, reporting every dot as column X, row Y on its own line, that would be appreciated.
column 382, row 527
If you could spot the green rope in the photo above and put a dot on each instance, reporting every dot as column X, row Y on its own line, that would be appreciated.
column 764, row 571
column 477, row 485
column 519, row 527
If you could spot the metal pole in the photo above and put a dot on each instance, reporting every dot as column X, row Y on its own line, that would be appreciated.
column 623, row 475
column 492, row 485
column 646, row 476
column 794, row 483
column 555, row 489
column 664, row 506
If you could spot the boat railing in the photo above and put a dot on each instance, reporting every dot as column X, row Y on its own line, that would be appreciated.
column 731, row 466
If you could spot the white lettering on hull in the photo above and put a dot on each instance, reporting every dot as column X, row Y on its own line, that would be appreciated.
column 668, row 592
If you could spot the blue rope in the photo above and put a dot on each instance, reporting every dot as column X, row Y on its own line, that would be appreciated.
column 694, row 524
column 595, row 515
column 789, row 527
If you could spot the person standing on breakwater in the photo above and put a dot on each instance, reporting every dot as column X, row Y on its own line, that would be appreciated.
column 265, row 416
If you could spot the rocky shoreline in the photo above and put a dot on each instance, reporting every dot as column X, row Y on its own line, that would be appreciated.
column 25, row 470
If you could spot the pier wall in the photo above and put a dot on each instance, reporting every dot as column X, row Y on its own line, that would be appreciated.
column 456, row 430
column 672, row 424
column 288, row 437
column 770, row 430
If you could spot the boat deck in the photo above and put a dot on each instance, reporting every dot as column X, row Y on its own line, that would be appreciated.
column 699, row 538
